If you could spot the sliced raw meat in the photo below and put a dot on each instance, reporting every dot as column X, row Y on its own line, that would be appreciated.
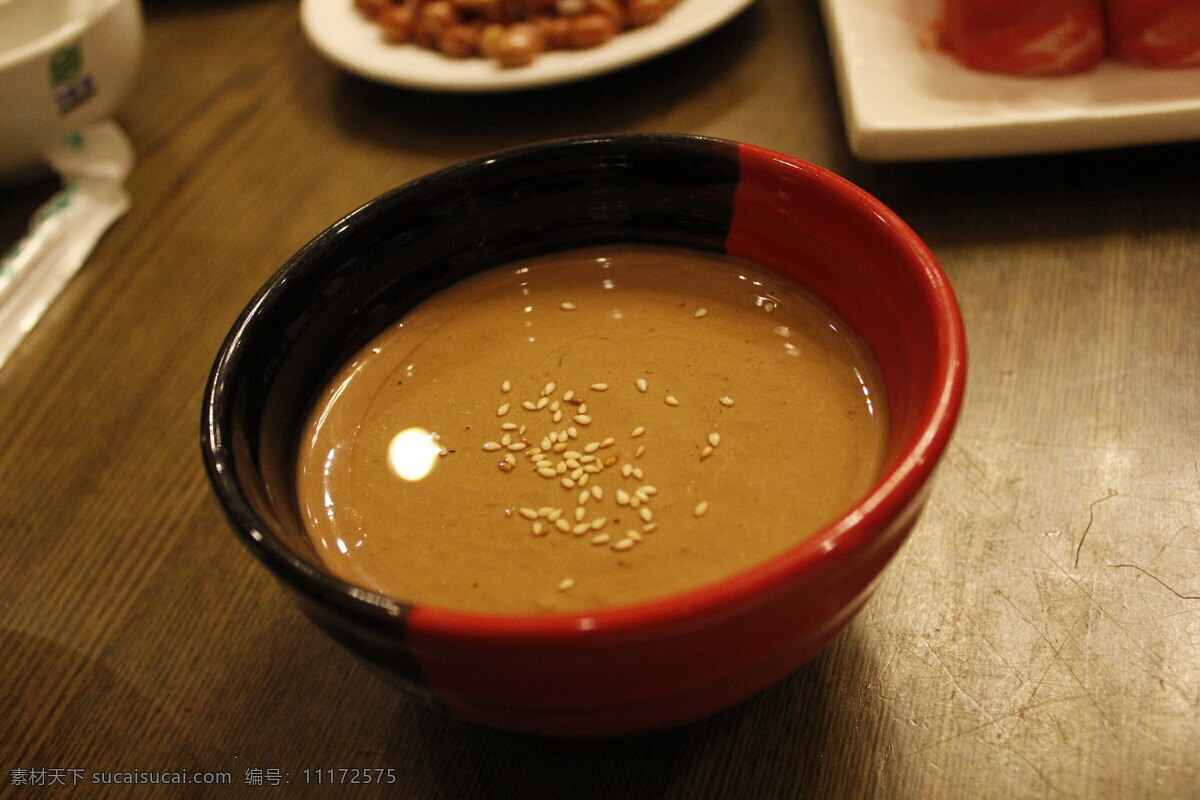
column 1155, row 33
column 1025, row 37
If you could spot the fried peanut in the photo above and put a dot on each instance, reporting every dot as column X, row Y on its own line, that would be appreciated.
column 459, row 41
column 397, row 23
column 518, row 45
column 591, row 30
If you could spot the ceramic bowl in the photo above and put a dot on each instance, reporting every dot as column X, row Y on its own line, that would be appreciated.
column 63, row 63
column 625, row 669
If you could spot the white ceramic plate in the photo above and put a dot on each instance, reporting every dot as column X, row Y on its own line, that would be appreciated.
column 343, row 36
column 902, row 99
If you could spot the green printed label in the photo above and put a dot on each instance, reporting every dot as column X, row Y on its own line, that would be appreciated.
column 65, row 64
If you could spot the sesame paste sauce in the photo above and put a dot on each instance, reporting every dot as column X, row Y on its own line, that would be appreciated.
column 589, row 429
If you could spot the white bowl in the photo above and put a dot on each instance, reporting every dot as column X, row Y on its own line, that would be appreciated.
column 63, row 64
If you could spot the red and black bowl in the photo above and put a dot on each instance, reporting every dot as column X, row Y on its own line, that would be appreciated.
column 630, row 668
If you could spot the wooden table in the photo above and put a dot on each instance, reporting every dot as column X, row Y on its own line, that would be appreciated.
column 1038, row 637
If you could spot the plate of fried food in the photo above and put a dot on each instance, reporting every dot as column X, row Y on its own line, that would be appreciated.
column 502, row 45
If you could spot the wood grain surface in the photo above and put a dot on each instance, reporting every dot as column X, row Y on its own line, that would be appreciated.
column 1038, row 637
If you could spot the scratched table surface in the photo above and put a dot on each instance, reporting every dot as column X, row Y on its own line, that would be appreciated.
column 1038, row 636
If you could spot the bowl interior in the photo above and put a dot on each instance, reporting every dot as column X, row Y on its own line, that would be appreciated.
column 364, row 272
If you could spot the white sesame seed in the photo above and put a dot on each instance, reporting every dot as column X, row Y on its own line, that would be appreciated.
column 517, row 446
column 601, row 538
column 549, row 389
column 638, row 453
column 506, row 439
column 491, row 445
column 567, row 483
column 591, row 469
column 714, row 439
column 650, row 527
column 547, row 472
column 599, row 522
column 506, row 386
column 582, row 480
column 640, row 495
column 557, row 416
column 582, row 419
column 541, row 403
column 562, row 525
column 580, row 513
column 508, row 426
column 622, row 497
column 700, row 312
column 599, row 387
column 632, row 534
column 569, row 395
column 554, row 514
column 637, row 473
column 624, row 544
column 567, row 306
column 638, row 431
column 608, row 442
column 649, row 489
column 573, row 432
column 565, row 584
column 546, row 443
column 642, row 385
column 706, row 452
column 581, row 529
column 591, row 447
column 597, row 493
column 538, row 528
column 646, row 514
column 626, row 469
column 671, row 400
column 529, row 405
column 726, row 401
column 545, row 511
column 572, row 454
column 634, row 501
column 701, row 508
column 561, row 468
column 584, row 496
column 558, row 448
column 528, row 513
column 502, row 410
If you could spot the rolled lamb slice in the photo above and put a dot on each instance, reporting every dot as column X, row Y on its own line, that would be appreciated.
column 1025, row 37
column 1155, row 33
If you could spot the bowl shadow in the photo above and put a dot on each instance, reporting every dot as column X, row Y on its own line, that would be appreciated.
column 817, row 733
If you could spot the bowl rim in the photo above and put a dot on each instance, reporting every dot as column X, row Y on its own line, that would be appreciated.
column 852, row 532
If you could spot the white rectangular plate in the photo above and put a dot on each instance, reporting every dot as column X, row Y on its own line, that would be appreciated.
column 903, row 99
